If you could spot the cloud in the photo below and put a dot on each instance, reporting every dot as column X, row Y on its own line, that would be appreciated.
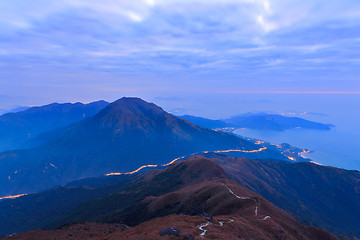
column 261, row 40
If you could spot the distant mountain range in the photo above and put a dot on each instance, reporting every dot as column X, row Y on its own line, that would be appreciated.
column 27, row 127
column 261, row 121
column 24, row 124
column 125, row 135
column 13, row 109
column 195, row 196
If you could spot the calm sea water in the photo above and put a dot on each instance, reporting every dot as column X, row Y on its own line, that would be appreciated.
column 338, row 147
column 334, row 148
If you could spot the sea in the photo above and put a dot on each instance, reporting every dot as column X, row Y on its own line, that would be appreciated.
column 339, row 147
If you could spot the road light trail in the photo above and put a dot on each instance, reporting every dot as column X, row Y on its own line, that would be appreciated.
column 163, row 165
column 12, row 197
column 182, row 157
column 129, row 173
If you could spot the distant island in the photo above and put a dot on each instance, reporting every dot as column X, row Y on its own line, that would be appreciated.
column 260, row 121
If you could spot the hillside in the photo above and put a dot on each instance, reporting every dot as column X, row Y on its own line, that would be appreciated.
column 322, row 196
column 194, row 195
column 37, row 210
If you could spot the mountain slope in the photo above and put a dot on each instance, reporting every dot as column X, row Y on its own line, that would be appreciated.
column 49, row 208
column 205, row 122
column 151, row 183
column 19, row 127
column 125, row 135
column 189, row 189
column 37, row 210
column 322, row 196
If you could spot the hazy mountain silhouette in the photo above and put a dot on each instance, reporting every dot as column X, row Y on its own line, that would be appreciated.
column 262, row 121
column 205, row 122
column 18, row 127
column 275, row 122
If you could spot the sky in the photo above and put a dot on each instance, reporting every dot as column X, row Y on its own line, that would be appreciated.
column 84, row 50
column 209, row 58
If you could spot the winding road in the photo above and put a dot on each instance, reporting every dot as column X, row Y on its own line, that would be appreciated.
column 221, row 223
column 243, row 198
column 201, row 227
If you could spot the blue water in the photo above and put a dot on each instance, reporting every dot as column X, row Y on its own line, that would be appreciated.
column 339, row 147
column 332, row 148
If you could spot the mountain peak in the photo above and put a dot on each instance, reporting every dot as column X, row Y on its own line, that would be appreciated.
column 131, row 101
column 132, row 112
column 133, row 105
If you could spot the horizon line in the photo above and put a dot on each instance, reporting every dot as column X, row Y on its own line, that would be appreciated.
column 292, row 92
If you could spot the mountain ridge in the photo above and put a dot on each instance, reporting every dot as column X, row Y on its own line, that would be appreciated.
column 125, row 135
column 17, row 128
column 191, row 188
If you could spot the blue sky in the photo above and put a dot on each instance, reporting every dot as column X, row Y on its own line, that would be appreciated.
column 86, row 50
column 201, row 57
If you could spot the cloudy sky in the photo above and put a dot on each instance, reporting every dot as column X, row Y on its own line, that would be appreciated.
column 161, row 49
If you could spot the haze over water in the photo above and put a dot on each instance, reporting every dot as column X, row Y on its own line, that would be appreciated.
column 338, row 147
